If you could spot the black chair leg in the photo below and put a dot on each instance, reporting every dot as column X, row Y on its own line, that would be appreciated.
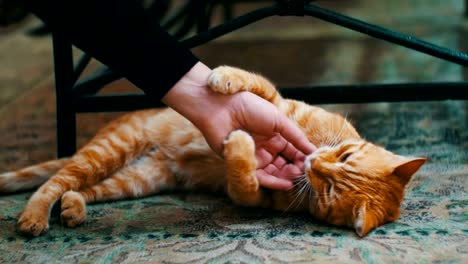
column 466, row 8
column 64, row 78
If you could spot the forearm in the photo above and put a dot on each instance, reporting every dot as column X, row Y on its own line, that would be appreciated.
column 121, row 35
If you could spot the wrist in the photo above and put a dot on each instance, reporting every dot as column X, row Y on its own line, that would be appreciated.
column 192, row 98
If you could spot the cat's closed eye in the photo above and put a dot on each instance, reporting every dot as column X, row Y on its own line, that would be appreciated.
column 344, row 157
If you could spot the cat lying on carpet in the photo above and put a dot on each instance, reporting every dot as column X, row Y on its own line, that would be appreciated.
column 347, row 181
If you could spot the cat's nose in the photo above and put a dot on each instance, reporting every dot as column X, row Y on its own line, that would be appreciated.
column 314, row 163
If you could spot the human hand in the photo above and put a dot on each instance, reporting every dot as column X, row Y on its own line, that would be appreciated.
column 280, row 146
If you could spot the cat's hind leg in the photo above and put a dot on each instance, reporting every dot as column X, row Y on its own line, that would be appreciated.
column 73, row 206
column 241, row 164
column 115, row 146
column 146, row 176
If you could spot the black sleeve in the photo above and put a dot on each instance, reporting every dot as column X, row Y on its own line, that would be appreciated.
column 121, row 35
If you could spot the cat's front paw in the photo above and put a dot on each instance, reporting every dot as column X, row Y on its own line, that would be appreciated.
column 73, row 209
column 225, row 80
column 239, row 146
column 33, row 223
column 243, row 186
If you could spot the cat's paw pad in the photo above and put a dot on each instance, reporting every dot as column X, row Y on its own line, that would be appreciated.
column 33, row 223
column 73, row 209
column 224, row 80
column 239, row 145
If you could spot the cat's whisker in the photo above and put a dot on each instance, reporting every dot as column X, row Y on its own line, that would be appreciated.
column 300, row 189
column 336, row 138
column 333, row 136
column 303, row 192
column 302, row 184
column 328, row 139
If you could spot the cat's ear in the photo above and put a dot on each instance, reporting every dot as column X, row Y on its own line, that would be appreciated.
column 364, row 221
column 406, row 168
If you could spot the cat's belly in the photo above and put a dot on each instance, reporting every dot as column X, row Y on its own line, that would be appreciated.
column 201, row 178
column 198, row 171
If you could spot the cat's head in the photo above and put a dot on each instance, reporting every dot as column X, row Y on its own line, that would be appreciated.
column 358, row 184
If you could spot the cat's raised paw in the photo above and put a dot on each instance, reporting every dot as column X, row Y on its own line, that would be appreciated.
column 73, row 209
column 32, row 223
column 225, row 80
column 239, row 145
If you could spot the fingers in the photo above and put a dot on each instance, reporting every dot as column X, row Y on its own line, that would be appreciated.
column 277, row 145
column 284, row 171
column 295, row 136
column 263, row 156
column 279, row 162
column 271, row 182
column 292, row 153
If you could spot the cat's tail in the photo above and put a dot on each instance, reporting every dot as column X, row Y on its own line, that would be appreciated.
column 30, row 177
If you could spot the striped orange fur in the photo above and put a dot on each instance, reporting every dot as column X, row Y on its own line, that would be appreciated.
column 347, row 181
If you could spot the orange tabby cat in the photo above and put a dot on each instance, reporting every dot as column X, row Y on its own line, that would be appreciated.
column 347, row 181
